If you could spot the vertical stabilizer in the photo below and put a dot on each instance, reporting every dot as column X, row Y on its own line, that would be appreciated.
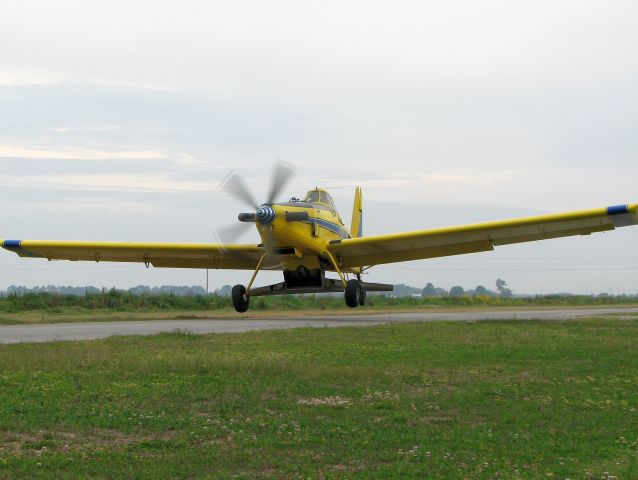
column 356, row 230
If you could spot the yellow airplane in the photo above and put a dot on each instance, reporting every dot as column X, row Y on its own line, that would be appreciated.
column 307, row 238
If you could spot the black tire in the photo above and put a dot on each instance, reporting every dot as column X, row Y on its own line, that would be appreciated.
column 362, row 297
column 353, row 293
column 240, row 299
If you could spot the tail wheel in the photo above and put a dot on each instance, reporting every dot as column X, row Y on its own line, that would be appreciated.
column 353, row 293
column 240, row 299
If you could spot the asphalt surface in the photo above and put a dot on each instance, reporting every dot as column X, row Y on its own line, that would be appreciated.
column 93, row 330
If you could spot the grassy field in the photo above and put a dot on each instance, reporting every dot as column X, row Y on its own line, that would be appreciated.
column 114, row 305
column 430, row 400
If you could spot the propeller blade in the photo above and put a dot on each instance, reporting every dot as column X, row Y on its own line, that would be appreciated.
column 234, row 185
column 282, row 174
column 232, row 233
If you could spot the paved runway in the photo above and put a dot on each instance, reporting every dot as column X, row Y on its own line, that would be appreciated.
column 87, row 331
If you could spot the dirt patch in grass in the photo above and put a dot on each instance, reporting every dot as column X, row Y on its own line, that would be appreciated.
column 43, row 441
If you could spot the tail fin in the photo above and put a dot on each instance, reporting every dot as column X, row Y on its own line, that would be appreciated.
column 356, row 229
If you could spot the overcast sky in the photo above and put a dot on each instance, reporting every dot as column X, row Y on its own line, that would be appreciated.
column 119, row 119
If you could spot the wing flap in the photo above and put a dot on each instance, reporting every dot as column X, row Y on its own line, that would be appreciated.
column 177, row 255
column 440, row 242
column 375, row 258
column 549, row 234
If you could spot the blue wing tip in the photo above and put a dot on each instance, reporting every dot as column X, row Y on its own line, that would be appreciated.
column 618, row 210
column 622, row 216
column 12, row 245
column 15, row 246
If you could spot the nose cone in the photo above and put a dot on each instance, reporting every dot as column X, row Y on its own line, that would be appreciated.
column 265, row 214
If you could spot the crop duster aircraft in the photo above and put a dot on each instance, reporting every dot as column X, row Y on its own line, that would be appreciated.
column 307, row 238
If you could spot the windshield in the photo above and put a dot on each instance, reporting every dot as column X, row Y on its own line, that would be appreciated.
column 320, row 196
column 312, row 196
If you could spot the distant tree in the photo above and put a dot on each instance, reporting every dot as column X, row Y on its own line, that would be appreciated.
column 457, row 291
column 402, row 290
column 501, row 287
column 224, row 291
column 481, row 290
column 429, row 291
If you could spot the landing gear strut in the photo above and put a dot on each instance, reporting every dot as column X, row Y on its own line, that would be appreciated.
column 240, row 299
column 311, row 282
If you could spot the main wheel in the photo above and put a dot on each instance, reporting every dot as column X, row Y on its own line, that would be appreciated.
column 240, row 299
column 353, row 293
column 362, row 297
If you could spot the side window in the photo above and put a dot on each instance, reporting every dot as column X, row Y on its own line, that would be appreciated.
column 331, row 203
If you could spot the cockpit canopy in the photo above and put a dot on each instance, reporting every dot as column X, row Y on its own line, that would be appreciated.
column 320, row 196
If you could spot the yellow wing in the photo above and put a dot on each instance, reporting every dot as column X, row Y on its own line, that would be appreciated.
column 178, row 255
column 480, row 237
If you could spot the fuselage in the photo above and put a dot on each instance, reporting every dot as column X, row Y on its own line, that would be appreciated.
column 301, row 227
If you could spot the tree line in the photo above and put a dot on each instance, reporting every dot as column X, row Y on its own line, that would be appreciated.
column 502, row 290
column 118, row 300
column 182, row 291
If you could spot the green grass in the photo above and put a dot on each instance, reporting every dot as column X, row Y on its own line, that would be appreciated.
column 430, row 400
column 115, row 305
column 119, row 302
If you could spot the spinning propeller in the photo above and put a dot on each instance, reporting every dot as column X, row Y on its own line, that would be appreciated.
column 236, row 187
